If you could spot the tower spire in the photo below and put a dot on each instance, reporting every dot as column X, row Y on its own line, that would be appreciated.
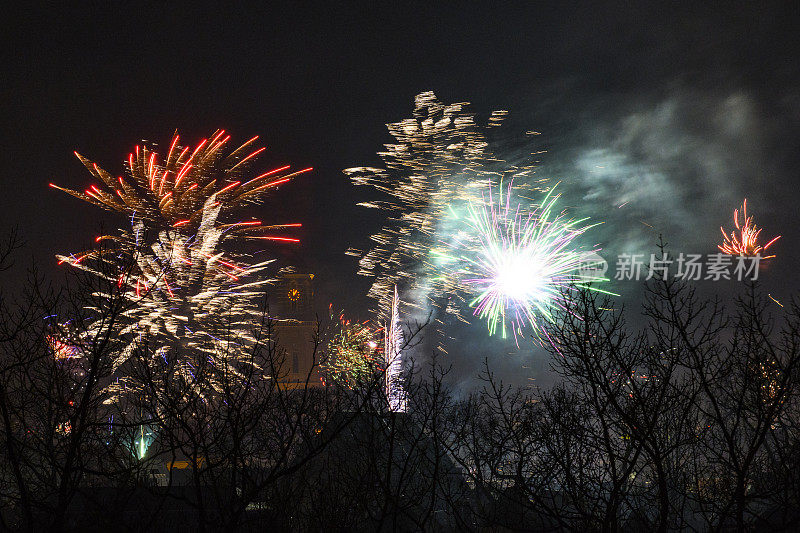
column 394, row 361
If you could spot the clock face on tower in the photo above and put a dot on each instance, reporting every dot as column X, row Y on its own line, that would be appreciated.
column 295, row 295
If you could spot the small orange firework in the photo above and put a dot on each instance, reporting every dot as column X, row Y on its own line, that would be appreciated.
column 744, row 240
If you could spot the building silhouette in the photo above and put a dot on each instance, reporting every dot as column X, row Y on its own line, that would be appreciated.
column 292, row 306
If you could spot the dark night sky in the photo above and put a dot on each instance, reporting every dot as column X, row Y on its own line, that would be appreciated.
column 682, row 110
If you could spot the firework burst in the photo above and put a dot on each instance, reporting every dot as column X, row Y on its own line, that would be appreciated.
column 519, row 264
column 182, row 282
column 438, row 164
column 353, row 354
column 744, row 239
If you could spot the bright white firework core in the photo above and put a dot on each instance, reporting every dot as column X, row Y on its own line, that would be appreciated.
column 519, row 277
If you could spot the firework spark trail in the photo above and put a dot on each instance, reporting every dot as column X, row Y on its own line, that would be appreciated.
column 519, row 264
column 744, row 239
column 184, row 282
column 439, row 162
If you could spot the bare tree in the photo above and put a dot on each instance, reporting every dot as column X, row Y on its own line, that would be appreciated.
column 688, row 423
column 744, row 373
column 54, row 423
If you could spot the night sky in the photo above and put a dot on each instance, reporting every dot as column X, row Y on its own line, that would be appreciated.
column 680, row 111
